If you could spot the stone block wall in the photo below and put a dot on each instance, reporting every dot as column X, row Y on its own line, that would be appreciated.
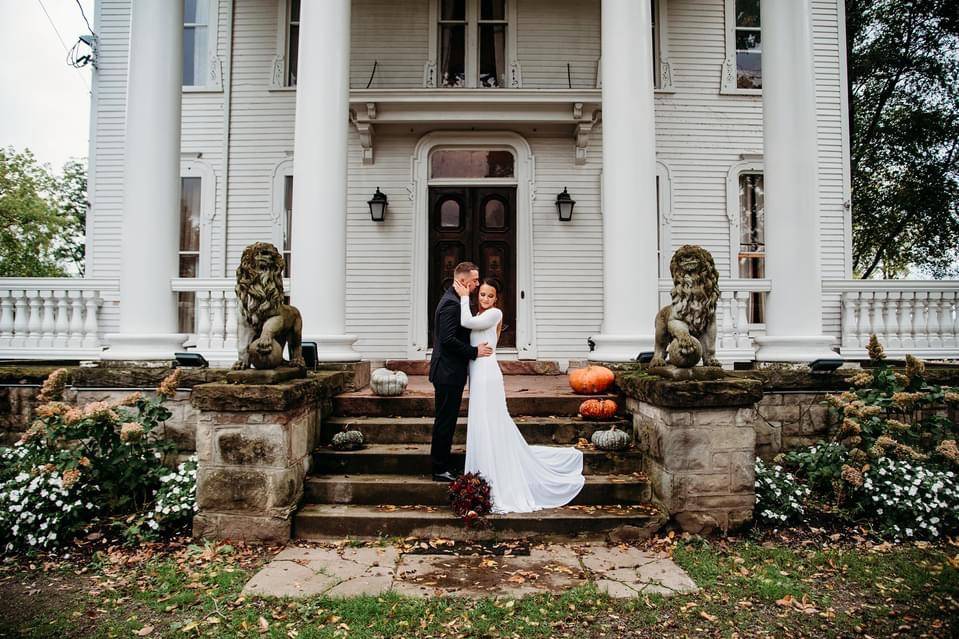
column 787, row 421
column 700, row 462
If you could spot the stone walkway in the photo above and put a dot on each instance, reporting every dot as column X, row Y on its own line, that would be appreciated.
column 345, row 572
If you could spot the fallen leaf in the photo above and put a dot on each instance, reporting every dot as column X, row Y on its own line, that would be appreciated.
column 708, row 617
column 264, row 625
column 144, row 631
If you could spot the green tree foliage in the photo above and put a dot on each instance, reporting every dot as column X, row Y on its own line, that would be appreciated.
column 42, row 217
column 904, row 114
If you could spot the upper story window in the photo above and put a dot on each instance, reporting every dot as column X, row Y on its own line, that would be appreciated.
column 292, row 42
column 285, row 61
column 473, row 44
column 742, row 70
column 196, row 41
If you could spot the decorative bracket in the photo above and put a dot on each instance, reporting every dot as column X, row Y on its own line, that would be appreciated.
column 278, row 71
column 429, row 75
column 364, row 127
column 582, row 130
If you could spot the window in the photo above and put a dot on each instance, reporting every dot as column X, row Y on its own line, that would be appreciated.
column 196, row 32
column 472, row 44
column 292, row 43
column 189, row 249
column 287, row 221
column 285, row 61
column 742, row 70
column 460, row 163
column 752, row 240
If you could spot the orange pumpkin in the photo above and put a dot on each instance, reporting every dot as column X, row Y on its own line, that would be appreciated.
column 591, row 380
column 597, row 409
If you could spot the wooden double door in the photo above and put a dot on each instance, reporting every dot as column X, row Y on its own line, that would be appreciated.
column 474, row 224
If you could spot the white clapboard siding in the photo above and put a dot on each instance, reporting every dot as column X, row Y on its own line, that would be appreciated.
column 551, row 35
column 394, row 35
column 700, row 134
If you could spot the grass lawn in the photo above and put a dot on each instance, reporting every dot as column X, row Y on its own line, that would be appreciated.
column 775, row 585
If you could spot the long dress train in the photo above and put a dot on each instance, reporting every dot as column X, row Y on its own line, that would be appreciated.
column 522, row 478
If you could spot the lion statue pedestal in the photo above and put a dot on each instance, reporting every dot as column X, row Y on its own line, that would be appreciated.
column 686, row 329
column 264, row 323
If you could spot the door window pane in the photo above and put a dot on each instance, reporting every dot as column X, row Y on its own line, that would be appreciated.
column 471, row 164
column 494, row 214
column 451, row 215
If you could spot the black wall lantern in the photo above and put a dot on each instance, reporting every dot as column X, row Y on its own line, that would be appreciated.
column 564, row 206
column 377, row 206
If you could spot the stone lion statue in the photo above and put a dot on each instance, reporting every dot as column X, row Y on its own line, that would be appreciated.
column 264, row 323
column 686, row 329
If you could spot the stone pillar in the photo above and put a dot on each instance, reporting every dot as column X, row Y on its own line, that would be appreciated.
column 318, row 271
column 151, row 193
column 630, row 264
column 699, row 446
column 794, row 306
column 253, row 444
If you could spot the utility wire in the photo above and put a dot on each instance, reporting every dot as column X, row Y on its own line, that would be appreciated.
column 92, row 32
column 60, row 38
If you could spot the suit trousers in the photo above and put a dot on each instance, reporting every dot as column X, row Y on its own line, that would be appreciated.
column 447, row 398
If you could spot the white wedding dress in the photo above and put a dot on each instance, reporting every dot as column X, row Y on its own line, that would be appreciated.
column 522, row 478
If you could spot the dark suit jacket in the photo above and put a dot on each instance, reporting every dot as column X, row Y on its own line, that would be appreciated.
column 451, row 343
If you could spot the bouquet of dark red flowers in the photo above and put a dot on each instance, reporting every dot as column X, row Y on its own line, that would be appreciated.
column 470, row 498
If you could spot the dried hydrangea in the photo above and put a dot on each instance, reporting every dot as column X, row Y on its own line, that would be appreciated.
column 951, row 396
column 99, row 410
column 131, row 431
column 53, row 386
column 169, row 385
column 36, row 431
column 858, row 455
column 915, row 367
column 850, row 427
column 875, row 349
column 851, row 475
column 905, row 400
column 129, row 400
column 70, row 477
column 948, row 449
column 896, row 425
column 860, row 379
column 52, row 409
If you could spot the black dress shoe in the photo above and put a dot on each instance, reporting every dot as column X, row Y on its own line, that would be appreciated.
column 444, row 477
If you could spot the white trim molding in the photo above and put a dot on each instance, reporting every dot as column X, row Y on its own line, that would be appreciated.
column 728, row 84
column 665, row 205
column 664, row 73
column 195, row 167
column 524, row 180
column 280, row 65
column 281, row 170
column 750, row 163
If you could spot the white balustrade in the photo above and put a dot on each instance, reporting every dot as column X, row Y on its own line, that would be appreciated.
column 908, row 316
column 215, row 330
column 734, row 333
column 52, row 318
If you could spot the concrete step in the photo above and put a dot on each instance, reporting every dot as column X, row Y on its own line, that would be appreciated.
column 368, row 405
column 406, row 490
column 327, row 521
column 509, row 367
column 419, row 430
column 414, row 459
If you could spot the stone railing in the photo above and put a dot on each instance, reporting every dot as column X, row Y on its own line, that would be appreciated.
column 734, row 334
column 215, row 313
column 908, row 316
column 53, row 317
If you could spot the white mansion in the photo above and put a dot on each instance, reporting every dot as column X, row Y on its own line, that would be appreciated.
column 723, row 123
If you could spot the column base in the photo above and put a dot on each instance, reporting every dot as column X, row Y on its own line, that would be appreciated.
column 619, row 348
column 143, row 346
column 334, row 348
column 804, row 348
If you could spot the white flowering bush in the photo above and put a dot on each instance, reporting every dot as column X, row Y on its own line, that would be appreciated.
column 779, row 496
column 77, row 464
column 174, row 504
column 906, row 500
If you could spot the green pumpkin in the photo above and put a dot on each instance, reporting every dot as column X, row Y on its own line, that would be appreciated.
column 348, row 440
column 611, row 439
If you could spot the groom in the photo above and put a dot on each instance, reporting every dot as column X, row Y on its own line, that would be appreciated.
column 448, row 367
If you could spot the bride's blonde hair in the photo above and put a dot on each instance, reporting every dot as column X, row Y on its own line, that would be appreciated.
column 493, row 283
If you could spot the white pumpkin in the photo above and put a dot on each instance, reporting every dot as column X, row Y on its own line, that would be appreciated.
column 387, row 383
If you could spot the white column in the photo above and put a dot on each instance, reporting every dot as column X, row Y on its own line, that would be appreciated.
column 151, row 195
column 318, row 271
column 794, row 306
column 630, row 269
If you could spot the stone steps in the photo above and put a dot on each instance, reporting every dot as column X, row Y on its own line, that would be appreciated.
column 414, row 459
column 365, row 404
column 407, row 490
column 507, row 366
column 327, row 521
column 419, row 430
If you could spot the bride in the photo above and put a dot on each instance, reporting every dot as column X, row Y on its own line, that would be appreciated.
column 522, row 478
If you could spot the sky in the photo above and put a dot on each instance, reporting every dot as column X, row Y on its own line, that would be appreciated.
column 44, row 103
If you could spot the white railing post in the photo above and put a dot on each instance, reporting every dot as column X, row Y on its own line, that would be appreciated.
column 201, row 324
column 230, row 339
column 62, row 326
column 742, row 320
column 878, row 325
column 21, row 320
column 91, row 325
column 217, row 303
column 893, row 339
column 954, row 339
column 35, row 323
column 909, row 320
column 6, row 318
column 849, row 337
column 76, row 319
column 727, row 336
column 935, row 337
